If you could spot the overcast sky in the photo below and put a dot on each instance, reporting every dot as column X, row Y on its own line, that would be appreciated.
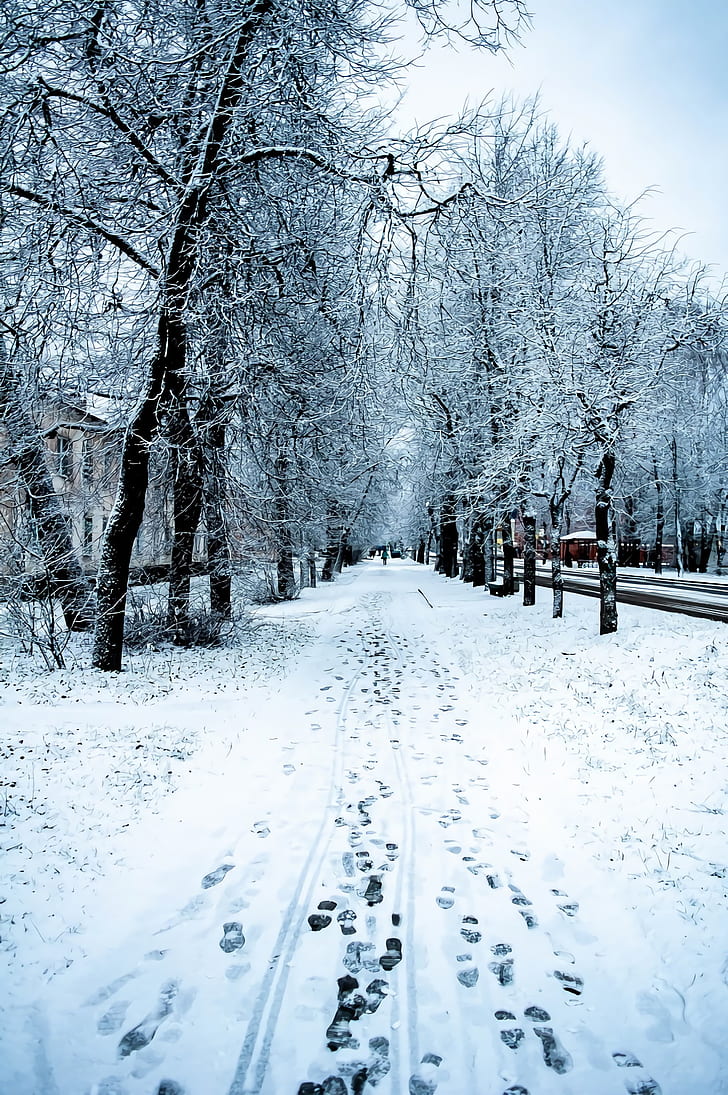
column 645, row 82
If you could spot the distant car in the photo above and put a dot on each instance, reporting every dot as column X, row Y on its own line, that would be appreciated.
column 396, row 554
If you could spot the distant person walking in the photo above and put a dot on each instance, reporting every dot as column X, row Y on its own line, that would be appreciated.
column 385, row 556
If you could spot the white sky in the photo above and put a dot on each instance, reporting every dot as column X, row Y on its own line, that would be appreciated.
column 645, row 82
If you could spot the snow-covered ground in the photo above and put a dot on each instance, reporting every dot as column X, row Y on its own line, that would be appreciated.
column 406, row 838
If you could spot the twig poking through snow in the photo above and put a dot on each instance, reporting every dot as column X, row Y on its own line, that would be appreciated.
column 429, row 602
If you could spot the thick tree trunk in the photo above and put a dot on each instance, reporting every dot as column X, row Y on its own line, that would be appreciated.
column 467, row 569
column 66, row 578
column 333, row 538
column 341, row 551
column 529, row 559
column 187, row 495
column 448, row 561
column 508, row 553
column 705, row 543
column 556, row 511
column 606, row 554
column 123, row 526
column 420, row 557
column 477, row 550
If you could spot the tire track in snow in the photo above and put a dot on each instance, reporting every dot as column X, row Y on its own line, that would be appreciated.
column 253, row 1058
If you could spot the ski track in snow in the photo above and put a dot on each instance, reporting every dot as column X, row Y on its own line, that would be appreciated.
column 384, row 904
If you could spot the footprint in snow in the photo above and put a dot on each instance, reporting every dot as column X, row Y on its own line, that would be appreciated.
column 345, row 920
column 170, row 1087
column 360, row 955
column 112, row 1019
column 142, row 1034
column 216, row 876
column 636, row 1079
column 568, row 907
column 373, row 894
column 445, row 898
column 232, row 937
column 109, row 990
column 364, row 861
column 502, row 969
column 554, row 1054
column 570, row 982
column 351, row 1006
column 469, row 974
column 469, row 930
column 347, row 862
column 392, row 956
column 110, row 1085
column 424, row 1080
column 525, row 907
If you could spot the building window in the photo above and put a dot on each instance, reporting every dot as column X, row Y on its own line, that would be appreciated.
column 87, row 462
column 64, row 452
column 88, row 534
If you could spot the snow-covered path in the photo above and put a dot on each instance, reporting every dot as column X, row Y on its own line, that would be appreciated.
column 391, row 870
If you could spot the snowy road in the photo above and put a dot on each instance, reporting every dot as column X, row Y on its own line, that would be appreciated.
column 372, row 881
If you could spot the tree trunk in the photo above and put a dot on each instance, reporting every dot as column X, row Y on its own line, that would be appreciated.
column 466, row 574
column 529, row 559
column 66, row 578
column 122, row 527
column 448, row 561
column 556, row 511
column 705, row 545
column 508, row 553
column 333, row 537
column 218, row 545
column 420, row 558
column 659, row 518
column 286, row 576
column 490, row 553
column 187, row 499
column 678, row 518
column 477, row 550
column 606, row 554
column 720, row 534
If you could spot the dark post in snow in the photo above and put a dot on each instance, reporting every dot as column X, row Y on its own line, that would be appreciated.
column 606, row 553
